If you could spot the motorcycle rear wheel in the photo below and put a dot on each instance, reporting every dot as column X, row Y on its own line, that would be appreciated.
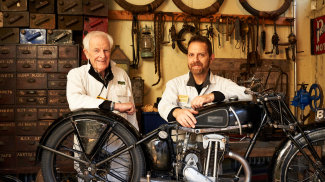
column 128, row 166
column 295, row 167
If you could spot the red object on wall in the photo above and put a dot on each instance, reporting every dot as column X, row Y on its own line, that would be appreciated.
column 317, row 29
column 95, row 23
column 92, row 24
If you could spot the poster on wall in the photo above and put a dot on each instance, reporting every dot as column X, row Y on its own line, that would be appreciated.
column 317, row 30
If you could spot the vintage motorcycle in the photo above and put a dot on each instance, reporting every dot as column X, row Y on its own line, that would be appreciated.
column 93, row 145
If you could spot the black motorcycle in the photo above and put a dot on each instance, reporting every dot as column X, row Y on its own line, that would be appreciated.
column 93, row 145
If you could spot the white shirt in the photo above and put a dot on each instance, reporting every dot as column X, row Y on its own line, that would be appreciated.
column 179, row 94
column 83, row 88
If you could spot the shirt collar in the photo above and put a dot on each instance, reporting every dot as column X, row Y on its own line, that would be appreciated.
column 191, row 81
column 108, row 77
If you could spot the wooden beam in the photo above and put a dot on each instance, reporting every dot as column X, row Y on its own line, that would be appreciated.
column 179, row 17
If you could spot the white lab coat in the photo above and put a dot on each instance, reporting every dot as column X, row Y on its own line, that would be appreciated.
column 177, row 88
column 83, row 88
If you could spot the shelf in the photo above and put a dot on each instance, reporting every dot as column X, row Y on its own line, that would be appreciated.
column 126, row 15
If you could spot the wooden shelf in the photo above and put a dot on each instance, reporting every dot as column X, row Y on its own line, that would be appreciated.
column 126, row 15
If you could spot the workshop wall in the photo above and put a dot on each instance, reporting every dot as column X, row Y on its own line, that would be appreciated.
column 174, row 62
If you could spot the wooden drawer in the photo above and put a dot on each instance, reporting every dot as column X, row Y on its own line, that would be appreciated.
column 95, row 23
column 20, row 5
column 59, row 37
column 26, row 114
column 26, row 65
column 46, row 21
column 63, row 111
column 57, row 76
column 7, row 97
column 31, row 81
column 66, row 65
column 25, row 159
column 27, row 128
column 70, row 22
column 7, row 65
column 47, row 113
column 7, row 51
column 47, row 65
column 57, row 84
column 7, row 143
column 32, row 36
column 32, row 93
column 47, row 52
column 26, row 51
column 57, row 97
column 43, row 125
column 16, row 19
column 27, row 143
column 7, row 114
column 41, row 6
column 96, row 7
column 68, row 52
column 8, row 160
column 71, row 7
column 57, row 93
column 7, row 128
column 32, row 100
column 7, row 80
column 8, row 35
column 58, row 101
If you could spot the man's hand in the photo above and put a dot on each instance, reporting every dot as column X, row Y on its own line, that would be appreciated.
column 185, row 117
column 128, row 107
column 199, row 101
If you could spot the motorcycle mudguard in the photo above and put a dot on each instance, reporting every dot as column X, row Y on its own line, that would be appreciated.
column 84, row 112
column 286, row 145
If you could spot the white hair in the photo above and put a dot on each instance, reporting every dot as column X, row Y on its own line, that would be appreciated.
column 87, row 38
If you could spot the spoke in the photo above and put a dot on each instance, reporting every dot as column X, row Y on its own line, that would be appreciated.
column 117, row 177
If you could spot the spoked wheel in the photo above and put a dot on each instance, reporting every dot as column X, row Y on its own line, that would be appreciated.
column 127, row 166
column 296, row 168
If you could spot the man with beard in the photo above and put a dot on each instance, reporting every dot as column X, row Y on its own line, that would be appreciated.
column 186, row 93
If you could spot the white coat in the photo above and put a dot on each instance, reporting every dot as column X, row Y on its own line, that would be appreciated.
column 179, row 94
column 83, row 88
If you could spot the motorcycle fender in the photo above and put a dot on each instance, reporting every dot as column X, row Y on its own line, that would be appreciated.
column 287, row 145
column 84, row 112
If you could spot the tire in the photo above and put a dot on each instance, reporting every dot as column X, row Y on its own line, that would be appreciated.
column 295, row 167
column 128, row 166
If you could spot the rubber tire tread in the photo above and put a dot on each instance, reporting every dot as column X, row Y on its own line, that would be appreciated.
column 266, row 14
column 213, row 9
column 66, row 127
column 314, row 136
column 185, row 29
column 140, row 9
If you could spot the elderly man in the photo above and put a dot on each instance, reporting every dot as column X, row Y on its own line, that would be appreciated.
column 188, row 92
column 100, row 83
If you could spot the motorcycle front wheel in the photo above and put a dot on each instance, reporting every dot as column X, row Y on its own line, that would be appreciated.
column 294, row 167
column 127, row 166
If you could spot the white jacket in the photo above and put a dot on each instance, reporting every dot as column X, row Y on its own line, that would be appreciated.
column 83, row 88
column 179, row 94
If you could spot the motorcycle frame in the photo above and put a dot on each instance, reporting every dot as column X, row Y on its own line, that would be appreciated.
column 288, row 123
column 285, row 123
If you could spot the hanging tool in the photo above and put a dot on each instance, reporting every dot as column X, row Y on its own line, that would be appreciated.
column 263, row 36
column 275, row 42
column 172, row 32
column 159, row 37
column 135, row 33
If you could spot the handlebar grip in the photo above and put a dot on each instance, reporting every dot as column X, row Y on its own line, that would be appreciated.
column 268, row 98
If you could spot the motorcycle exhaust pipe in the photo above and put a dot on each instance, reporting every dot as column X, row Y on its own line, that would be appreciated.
column 192, row 175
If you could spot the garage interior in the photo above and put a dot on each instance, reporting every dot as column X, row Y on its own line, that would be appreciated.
column 41, row 41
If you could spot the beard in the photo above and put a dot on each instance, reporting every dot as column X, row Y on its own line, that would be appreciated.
column 198, row 68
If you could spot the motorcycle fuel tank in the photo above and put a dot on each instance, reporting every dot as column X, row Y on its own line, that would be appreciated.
column 226, row 114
